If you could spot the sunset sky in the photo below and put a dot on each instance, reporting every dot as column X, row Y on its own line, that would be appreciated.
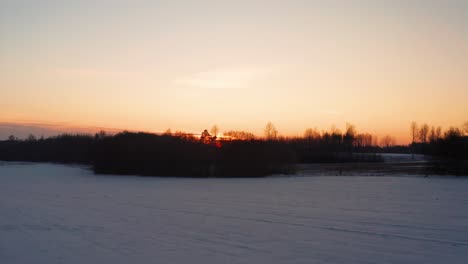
column 186, row 65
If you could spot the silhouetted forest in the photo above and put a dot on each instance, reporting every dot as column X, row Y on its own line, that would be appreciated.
column 63, row 148
column 235, row 153
column 150, row 154
column 449, row 149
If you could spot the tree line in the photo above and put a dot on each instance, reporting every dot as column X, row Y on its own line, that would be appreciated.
column 432, row 140
column 230, row 154
column 149, row 154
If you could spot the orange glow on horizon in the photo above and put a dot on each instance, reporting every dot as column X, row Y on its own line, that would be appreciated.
column 306, row 64
column 57, row 128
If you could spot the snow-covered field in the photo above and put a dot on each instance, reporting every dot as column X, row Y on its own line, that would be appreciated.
column 61, row 214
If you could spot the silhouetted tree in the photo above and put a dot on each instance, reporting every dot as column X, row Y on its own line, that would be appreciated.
column 311, row 134
column 375, row 141
column 239, row 135
column 270, row 131
column 168, row 132
column 206, row 137
column 214, row 130
column 364, row 140
column 434, row 134
column 100, row 135
column 423, row 133
column 349, row 136
column 336, row 137
column 414, row 131
column 312, row 138
column 387, row 141
column 438, row 132
column 453, row 132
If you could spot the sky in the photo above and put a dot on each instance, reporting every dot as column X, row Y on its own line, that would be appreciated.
column 186, row 65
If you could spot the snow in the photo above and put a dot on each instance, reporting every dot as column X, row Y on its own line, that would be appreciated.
column 65, row 214
column 399, row 158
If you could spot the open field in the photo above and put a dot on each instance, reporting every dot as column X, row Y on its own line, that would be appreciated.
column 64, row 214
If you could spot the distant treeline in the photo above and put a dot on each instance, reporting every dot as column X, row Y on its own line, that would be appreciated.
column 235, row 154
column 155, row 155
column 431, row 140
column 63, row 149
column 449, row 149
column 149, row 154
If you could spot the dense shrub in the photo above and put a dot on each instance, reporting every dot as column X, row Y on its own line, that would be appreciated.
column 149, row 154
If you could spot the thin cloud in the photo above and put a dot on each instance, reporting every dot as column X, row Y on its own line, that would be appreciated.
column 223, row 78
column 331, row 112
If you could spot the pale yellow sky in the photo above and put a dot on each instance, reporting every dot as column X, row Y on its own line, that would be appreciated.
column 186, row 65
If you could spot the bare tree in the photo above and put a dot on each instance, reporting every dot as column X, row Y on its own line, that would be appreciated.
column 100, row 135
column 349, row 136
column 387, row 141
column 350, row 130
column 465, row 128
column 336, row 136
column 363, row 140
column 438, row 132
column 414, row 131
column 168, row 132
column 423, row 133
column 375, row 140
column 214, row 130
column 453, row 132
column 270, row 131
column 432, row 135
column 311, row 134
column 240, row 135
column 335, row 131
column 435, row 134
